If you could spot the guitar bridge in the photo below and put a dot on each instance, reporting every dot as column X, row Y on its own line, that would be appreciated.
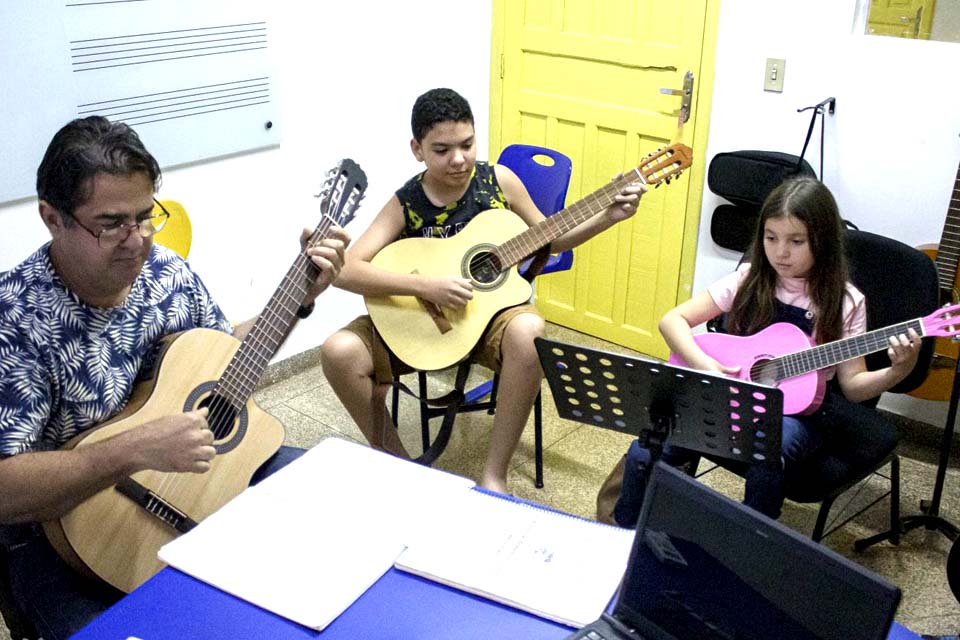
column 155, row 505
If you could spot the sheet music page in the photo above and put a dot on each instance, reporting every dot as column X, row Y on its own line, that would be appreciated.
column 309, row 540
column 195, row 79
column 552, row 564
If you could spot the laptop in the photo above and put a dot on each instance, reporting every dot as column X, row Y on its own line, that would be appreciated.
column 704, row 567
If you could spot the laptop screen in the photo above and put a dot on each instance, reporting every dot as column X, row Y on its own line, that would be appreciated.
column 704, row 566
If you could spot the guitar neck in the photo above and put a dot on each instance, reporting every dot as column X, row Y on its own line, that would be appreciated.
column 243, row 374
column 538, row 236
column 832, row 353
column 948, row 251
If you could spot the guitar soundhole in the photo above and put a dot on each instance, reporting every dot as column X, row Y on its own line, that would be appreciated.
column 483, row 268
column 221, row 415
column 764, row 372
column 227, row 423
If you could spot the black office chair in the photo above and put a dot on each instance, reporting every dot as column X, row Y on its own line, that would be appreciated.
column 900, row 284
column 546, row 175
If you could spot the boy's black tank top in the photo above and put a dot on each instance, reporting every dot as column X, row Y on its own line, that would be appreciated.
column 423, row 219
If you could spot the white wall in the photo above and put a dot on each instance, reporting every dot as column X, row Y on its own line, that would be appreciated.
column 891, row 149
column 347, row 75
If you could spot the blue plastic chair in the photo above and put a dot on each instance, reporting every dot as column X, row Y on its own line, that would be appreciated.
column 546, row 183
column 546, row 175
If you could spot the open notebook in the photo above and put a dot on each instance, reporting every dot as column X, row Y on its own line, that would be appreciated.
column 552, row 564
column 706, row 567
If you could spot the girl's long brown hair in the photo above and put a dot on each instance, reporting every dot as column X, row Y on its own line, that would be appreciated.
column 810, row 202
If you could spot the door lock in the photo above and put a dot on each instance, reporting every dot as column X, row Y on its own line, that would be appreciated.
column 686, row 95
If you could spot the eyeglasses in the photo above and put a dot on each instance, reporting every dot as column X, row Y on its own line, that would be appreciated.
column 116, row 233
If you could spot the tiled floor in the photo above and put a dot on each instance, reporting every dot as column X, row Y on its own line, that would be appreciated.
column 578, row 458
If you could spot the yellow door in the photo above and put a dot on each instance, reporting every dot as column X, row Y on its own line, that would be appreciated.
column 585, row 78
column 901, row 18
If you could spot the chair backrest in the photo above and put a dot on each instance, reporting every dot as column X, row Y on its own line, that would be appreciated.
column 177, row 234
column 544, row 172
column 900, row 284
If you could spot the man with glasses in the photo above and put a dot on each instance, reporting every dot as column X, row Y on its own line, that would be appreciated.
column 77, row 320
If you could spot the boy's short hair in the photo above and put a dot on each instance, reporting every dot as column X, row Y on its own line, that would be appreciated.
column 436, row 106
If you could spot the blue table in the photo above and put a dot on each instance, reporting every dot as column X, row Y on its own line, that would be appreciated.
column 175, row 606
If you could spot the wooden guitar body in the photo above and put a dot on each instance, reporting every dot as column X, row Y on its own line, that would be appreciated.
column 414, row 333
column 90, row 536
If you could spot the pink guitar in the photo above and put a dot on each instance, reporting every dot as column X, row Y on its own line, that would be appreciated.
column 782, row 355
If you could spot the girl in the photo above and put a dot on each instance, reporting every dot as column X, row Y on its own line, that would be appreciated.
column 795, row 271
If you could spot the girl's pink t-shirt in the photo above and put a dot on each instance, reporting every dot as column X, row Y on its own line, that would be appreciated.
column 793, row 291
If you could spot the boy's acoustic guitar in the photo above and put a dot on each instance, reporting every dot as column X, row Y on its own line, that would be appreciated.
column 939, row 382
column 485, row 252
column 783, row 356
column 116, row 533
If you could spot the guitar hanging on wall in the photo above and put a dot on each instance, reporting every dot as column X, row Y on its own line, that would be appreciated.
column 115, row 534
column 939, row 382
column 486, row 252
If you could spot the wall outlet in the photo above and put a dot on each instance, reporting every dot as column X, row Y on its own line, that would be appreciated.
column 773, row 75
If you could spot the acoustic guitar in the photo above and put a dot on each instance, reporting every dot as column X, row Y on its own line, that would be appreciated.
column 783, row 356
column 486, row 252
column 939, row 382
column 116, row 533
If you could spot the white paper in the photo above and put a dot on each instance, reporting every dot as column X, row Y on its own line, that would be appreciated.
column 552, row 564
column 309, row 540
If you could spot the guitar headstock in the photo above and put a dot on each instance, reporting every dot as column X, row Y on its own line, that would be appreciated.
column 341, row 192
column 943, row 322
column 664, row 164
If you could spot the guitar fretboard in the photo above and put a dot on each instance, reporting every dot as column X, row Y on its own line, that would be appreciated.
column 243, row 374
column 513, row 251
column 948, row 252
column 832, row 353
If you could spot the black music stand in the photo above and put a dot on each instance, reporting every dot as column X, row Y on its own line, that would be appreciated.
column 655, row 401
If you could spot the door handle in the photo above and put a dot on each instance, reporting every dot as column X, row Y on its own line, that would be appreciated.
column 686, row 95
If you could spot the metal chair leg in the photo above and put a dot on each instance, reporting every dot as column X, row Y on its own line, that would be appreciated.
column 821, row 519
column 424, row 413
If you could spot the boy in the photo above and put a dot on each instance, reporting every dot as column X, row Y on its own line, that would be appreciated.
column 438, row 203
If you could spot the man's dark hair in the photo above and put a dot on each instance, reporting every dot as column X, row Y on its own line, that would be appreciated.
column 436, row 106
column 84, row 148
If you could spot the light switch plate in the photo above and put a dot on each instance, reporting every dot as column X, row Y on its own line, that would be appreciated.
column 773, row 76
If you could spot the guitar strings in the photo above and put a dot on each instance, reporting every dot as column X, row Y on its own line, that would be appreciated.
column 531, row 239
column 602, row 198
column 227, row 400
